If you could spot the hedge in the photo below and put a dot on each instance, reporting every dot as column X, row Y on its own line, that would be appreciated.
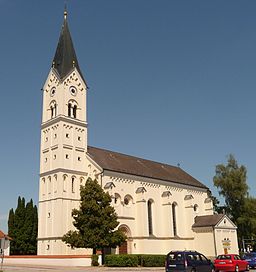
column 153, row 260
column 135, row 260
column 121, row 260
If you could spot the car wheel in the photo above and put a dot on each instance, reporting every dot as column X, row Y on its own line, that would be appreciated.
column 236, row 268
column 247, row 267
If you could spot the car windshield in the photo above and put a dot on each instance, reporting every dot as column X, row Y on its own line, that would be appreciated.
column 224, row 257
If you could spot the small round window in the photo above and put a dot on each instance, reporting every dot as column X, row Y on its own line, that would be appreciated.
column 73, row 90
column 53, row 91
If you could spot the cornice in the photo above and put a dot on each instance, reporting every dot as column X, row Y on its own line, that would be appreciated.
column 63, row 118
column 63, row 170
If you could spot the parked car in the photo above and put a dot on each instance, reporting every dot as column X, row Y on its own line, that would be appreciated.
column 251, row 259
column 230, row 262
column 187, row 261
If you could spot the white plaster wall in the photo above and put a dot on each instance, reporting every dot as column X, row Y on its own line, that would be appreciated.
column 224, row 233
column 204, row 242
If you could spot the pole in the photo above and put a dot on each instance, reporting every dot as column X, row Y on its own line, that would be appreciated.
column 2, row 253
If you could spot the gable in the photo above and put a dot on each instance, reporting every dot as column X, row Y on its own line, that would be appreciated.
column 225, row 222
column 121, row 163
column 214, row 220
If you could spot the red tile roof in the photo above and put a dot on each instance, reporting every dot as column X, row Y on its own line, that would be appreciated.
column 2, row 235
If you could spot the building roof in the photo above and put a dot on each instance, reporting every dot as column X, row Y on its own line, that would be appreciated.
column 65, row 58
column 117, row 162
column 207, row 220
column 2, row 235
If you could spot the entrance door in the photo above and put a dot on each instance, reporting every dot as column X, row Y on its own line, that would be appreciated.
column 123, row 248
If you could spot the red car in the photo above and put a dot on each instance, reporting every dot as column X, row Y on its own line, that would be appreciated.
column 230, row 262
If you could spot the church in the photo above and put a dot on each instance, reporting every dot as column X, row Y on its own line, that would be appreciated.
column 160, row 207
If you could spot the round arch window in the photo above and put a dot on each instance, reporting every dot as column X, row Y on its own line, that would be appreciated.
column 127, row 200
column 196, row 208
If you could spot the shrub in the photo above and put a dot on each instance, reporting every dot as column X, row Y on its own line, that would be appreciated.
column 121, row 260
column 153, row 260
column 95, row 260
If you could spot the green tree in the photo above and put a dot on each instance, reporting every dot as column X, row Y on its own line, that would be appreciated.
column 11, row 223
column 95, row 220
column 230, row 179
column 247, row 220
column 22, row 228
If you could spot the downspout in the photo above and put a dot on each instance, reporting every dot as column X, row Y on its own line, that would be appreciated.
column 214, row 239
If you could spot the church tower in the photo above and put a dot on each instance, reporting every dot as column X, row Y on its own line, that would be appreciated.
column 63, row 146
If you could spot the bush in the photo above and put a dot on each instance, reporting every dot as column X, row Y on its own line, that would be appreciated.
column 135, row 260
column 153, row 260
column 121, row 260
column 95, row 260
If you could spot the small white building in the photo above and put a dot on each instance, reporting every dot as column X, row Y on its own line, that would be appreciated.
column 160, row 207
column 4, row 244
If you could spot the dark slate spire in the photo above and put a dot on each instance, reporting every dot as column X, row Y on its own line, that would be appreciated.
column 65, row 56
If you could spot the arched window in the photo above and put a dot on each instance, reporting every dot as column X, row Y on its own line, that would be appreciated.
column 55, row 183
column 69, row 109
column 117, row 199
column 73, row 185
column 174, row 223
column 65, row 183
column 72, row 109
column 150, row 220
column 195, row 208
column 52, row 112
column 43, row 186
column 49, row 185
column 53, row 108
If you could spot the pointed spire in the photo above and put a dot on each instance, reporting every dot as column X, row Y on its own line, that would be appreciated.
column 65, row 56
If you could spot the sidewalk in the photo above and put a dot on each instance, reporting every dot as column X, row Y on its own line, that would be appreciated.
column 34, row 268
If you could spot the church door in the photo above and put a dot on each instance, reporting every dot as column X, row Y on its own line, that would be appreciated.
column 123, row 248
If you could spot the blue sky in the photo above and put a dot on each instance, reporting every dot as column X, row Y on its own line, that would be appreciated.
column 170, row 81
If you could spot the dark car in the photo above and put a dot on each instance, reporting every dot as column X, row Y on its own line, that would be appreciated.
column 251, row 259
column 187, row 261
column 230, row 262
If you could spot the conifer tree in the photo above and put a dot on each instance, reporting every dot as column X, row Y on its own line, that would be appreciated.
column 22, row 228
column 95, row 220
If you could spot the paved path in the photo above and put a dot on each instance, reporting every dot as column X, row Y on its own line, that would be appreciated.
column 27, row 268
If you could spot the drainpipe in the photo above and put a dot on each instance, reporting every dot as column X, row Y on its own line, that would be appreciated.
column 214, row 239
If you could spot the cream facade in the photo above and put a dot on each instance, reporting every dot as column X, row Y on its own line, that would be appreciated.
column 156, row 203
